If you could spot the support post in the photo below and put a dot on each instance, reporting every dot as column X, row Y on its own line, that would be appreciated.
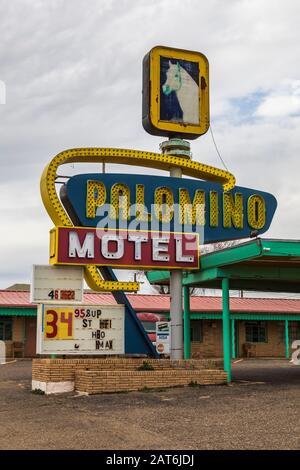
column 180, row 148
column 186, row 323
column 176, row 352
column 287, row 346
column 176, row 301
column 2, row 352
column 226, row 327
column 233, row 350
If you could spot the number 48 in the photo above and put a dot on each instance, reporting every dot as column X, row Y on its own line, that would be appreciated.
column 53, row 295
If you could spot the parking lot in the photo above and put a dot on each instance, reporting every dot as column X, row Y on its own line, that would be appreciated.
column 259, row 410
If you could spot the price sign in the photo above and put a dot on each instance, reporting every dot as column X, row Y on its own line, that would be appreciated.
column 80, row 329
column 56, row 283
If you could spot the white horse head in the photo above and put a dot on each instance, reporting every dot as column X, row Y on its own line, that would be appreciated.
column 186, row 89
column 173, row 82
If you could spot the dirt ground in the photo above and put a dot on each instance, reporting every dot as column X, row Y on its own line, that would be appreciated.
column 259, row 410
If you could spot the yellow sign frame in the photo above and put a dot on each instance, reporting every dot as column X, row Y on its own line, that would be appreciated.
column 59, row 216
column 182, row 129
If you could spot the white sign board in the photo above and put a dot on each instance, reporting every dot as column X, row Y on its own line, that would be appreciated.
column 163, row 337
column 63, row 284
column 80, row 329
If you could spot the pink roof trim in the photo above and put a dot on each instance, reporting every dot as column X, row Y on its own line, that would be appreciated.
column 161, row 303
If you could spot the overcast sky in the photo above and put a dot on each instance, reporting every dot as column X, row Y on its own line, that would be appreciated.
column 73, row 71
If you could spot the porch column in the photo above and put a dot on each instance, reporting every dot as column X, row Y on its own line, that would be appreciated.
column 226, row 327
column 287, row 347
column 233, row 351
column 2, row 352
column 186, row 323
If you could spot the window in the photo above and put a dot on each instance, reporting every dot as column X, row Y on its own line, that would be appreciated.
column 149, row 326
column 256, row 331
column 197, row 330
column 6, row 329
column 294, row 330
column 281, row 331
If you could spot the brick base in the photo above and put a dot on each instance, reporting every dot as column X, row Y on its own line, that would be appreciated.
column 56, row 370
column 117, row 374
column 93, row 382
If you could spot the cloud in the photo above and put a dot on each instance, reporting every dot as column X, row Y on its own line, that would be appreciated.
column 281, row 103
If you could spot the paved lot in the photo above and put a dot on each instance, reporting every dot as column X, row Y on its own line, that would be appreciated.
column 260, row 410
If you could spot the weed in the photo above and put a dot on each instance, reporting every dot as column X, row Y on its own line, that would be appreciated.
column 145, row 366
column 38, row 391
column 193, row 384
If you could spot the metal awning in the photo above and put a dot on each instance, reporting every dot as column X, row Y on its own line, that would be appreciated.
column 260, row 265
column 18, row 312
column 244, row 316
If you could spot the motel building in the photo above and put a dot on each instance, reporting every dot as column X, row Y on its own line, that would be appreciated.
column 260, row 327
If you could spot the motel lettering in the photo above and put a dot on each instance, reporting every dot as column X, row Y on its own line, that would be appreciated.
column 124, row 249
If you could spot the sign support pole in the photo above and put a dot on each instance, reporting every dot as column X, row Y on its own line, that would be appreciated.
column 176, row 301
column 181, row 148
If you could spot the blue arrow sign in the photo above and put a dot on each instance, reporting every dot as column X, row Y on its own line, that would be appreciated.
column 168, row 204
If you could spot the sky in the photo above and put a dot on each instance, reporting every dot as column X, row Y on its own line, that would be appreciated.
column 71, row 76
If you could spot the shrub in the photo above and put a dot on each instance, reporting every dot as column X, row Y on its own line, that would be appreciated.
column 145, row 366
column 193, row 384
column 38, row 391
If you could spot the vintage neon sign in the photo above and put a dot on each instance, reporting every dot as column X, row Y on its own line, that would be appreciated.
column 168, row 204
column 224, row 214
column 59, row 215
column 124, row 249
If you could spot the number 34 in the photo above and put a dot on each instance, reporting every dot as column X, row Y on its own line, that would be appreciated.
column 58, row 324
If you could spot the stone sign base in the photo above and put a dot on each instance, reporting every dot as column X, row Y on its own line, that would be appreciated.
column 122, row 374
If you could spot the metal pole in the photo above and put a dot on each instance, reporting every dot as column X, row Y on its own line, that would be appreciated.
column 226, row 327
column 186, row 323
column 287, row 346
column 233, row 351
column 180, row 148
column 176, row 301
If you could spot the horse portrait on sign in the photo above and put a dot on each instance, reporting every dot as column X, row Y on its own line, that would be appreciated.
column 179, row 97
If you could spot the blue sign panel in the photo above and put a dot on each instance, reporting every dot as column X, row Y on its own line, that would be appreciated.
column 168, row 204
column 179, row 98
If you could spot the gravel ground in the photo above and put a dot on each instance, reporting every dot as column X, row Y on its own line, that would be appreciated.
column 259, row 410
